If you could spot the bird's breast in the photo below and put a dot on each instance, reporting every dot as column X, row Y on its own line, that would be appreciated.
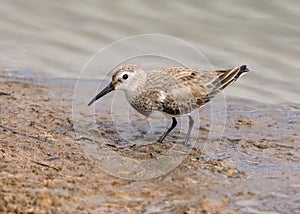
column 146, row 101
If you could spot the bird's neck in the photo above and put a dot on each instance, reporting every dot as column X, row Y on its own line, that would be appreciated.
column 135, row 88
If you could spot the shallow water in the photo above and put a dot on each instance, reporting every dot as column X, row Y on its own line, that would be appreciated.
column 56, row 39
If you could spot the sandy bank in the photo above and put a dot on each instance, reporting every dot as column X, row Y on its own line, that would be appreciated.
column 44, row 170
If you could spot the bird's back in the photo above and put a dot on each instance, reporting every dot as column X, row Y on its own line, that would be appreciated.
column 178, row 90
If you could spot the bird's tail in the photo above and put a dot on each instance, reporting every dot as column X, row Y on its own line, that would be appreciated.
column 226, row 78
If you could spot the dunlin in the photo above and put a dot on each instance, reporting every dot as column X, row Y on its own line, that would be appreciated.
column 172, row 91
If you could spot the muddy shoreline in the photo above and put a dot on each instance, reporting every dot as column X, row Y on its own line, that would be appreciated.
column 43, row 168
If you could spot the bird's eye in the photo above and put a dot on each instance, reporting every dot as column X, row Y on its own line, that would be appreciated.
column 125, row 76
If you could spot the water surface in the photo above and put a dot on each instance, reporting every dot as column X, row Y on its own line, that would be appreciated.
column 57, row 38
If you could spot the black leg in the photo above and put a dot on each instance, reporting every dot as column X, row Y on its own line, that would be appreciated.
column 191, row 124
column 174, row 123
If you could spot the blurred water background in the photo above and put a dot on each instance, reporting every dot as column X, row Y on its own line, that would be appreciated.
column 56, row 38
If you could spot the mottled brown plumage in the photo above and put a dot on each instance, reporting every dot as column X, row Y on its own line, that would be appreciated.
column 172, row 91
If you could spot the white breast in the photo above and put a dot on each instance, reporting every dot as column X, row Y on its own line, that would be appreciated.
column 162, row 96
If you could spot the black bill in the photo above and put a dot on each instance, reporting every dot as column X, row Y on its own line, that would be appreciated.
column 106, row 90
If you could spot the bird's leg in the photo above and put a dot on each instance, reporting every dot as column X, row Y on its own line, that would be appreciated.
column 191, row 124
column 174, row 123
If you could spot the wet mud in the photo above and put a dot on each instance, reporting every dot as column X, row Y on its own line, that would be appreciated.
column 44, row 168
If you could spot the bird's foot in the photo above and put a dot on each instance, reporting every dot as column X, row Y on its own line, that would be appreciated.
column 188, row 144
column 160, row 141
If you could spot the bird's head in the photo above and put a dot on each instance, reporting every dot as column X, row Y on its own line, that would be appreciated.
column 124, row 77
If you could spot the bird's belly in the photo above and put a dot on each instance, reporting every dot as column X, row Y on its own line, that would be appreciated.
column 153, row 107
